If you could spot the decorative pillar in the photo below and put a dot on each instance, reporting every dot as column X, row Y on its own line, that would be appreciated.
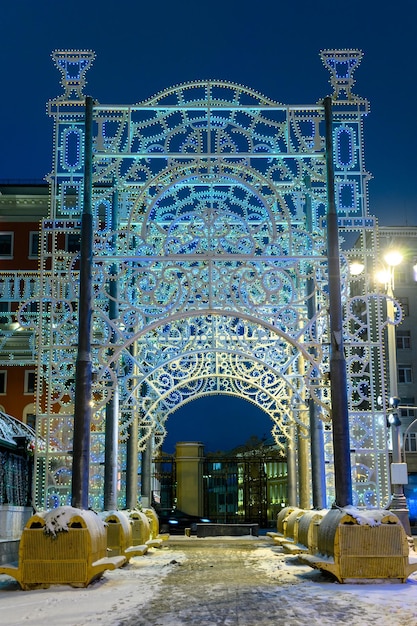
column 83, row 368
column 112, row 408
column 189, row 457
column 292, row 467
column 338, row 378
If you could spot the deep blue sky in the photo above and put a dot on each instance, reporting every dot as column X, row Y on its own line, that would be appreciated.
column 271, row 46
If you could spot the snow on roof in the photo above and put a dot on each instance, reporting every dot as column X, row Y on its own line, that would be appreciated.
column 10, row 428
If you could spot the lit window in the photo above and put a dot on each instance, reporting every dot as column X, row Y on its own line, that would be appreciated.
column 6, row 245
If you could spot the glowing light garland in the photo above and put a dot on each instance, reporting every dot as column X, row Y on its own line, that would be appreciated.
column 211, row 257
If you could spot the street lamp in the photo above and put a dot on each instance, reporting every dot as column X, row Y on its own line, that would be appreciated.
column 399, row 477
column 356, row 267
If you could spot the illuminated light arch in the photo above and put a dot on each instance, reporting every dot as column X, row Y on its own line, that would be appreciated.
column 199, row 156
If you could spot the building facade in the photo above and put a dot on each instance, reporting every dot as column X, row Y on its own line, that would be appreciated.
column 22, row 207
column 404, row 240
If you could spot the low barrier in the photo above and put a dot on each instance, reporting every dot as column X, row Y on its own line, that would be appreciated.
column 141, row 530
column 120, row 537
column 282, row 518
column 64, row 546
column 361, row 545
column 153, row 522
column 142, row 525
column 227, row 530
column 308, row 529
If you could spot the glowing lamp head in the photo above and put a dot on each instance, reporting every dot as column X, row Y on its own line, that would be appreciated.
column 356, row 268
column 393, row 420
column 393, row 257
column 394, row 401
column 383, row 276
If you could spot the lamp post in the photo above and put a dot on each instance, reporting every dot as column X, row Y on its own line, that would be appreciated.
column 399, row 478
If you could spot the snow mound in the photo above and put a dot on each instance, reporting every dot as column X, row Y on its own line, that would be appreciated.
column 373, row 517
column 57, row 520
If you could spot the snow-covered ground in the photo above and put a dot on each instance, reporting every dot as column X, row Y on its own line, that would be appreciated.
column 121, row 594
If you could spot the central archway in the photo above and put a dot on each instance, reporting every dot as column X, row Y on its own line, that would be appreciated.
column 209, row 269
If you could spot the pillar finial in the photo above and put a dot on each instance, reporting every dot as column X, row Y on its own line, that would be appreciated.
column 73, row 65
column 342, row 64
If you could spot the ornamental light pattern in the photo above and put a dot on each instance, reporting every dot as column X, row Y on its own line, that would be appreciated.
column 209, row 267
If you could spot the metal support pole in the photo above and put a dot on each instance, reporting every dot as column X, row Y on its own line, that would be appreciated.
column 303, row 469
column 338, row 378
column 83, row 368
column 318, row 477
column 318, row 473
column 112, row 408
column 132, row 464
column 398, row 502
column 146, row 472
column 292, row 468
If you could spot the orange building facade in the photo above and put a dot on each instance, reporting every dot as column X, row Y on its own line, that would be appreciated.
column 22, row 207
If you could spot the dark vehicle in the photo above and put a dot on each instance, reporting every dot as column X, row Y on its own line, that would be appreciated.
column 175, row 521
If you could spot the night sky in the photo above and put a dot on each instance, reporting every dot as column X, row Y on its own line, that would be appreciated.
column 271, row 46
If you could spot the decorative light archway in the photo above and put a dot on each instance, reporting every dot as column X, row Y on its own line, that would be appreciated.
column 209, row 252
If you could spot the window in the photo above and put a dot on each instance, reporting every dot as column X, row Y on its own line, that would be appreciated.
column 6, row 245
column 31, row 420
column 4, row 310
column 33, row 244
column 3, row 381
column 403, row 339
column 400, row 276
column 29, row 415
column 73, row 242
column 405, row 374
column 404, row 305
column 29, row 381
column 410, row 442
column 407, row 411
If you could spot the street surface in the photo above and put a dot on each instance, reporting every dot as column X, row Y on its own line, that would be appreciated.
column 212, row 582
column 231, row 584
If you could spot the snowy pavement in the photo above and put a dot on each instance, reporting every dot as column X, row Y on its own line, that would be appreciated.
column 209, row 583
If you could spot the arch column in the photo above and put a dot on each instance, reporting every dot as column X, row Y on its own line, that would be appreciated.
column 189, row 461
column 292, row 467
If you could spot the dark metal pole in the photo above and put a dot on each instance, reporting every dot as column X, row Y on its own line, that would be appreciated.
column 111, row 448
column 132, row 459
column 132, row 465
column 318, row 474
column 83, row 368
column 338, row 379
column 146, row 472
column 292, row 467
